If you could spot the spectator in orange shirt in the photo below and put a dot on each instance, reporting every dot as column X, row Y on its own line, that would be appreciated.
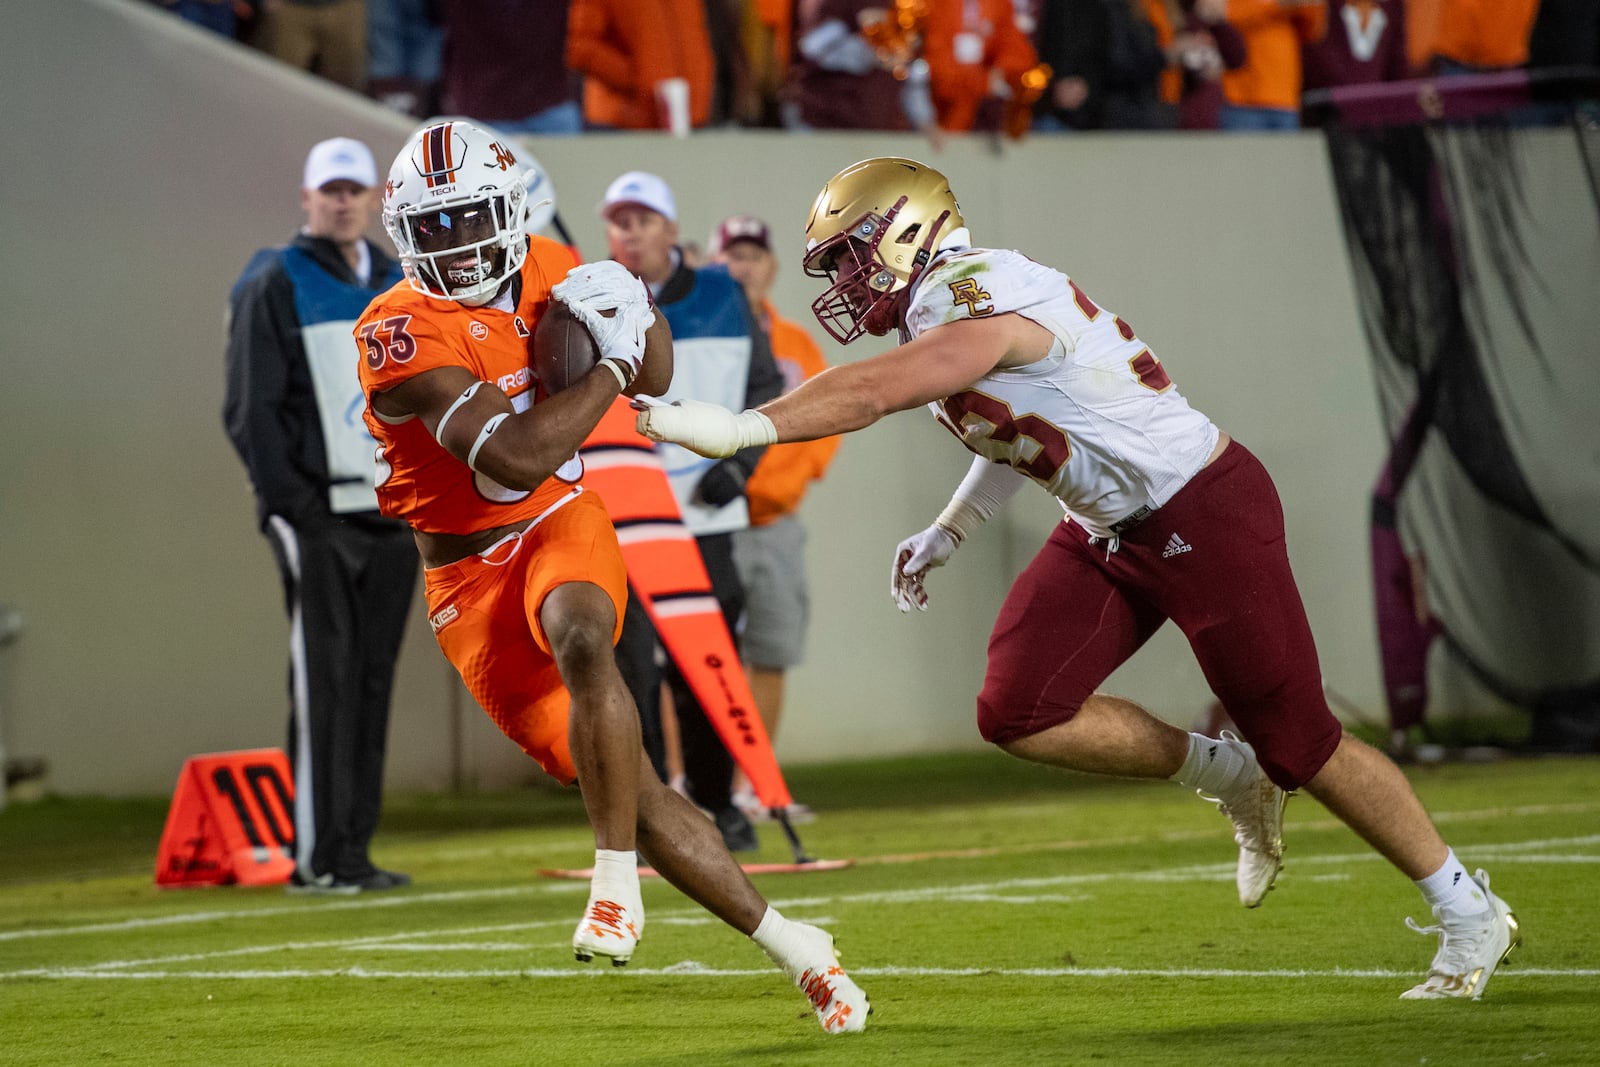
column 1477, row 36
column 1264, row 94
column 976, row 58
column 627, row 48
column 770, row 552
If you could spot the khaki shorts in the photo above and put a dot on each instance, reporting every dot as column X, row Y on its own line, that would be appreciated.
column 777, row 606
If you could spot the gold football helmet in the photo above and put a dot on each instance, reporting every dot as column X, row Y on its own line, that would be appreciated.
column 872, row 231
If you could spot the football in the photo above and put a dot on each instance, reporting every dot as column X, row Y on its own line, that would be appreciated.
column 563, row 348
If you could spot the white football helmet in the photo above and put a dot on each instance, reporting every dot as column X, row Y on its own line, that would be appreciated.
column 541, row 190
column 456, row 207
column 873, row 230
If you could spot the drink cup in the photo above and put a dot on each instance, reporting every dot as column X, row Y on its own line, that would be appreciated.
column 672, row 97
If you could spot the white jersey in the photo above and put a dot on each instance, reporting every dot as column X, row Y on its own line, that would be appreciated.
column 1097, row 422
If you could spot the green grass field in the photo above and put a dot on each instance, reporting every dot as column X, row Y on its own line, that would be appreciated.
column 997, row 913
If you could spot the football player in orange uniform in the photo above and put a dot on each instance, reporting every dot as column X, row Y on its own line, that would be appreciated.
column 525, row 582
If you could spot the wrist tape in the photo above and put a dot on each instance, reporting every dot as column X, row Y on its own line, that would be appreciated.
column 755, row 429
column 617, row 367
column 959, row 518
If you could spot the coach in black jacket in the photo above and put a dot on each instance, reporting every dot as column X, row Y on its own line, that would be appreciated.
column 294, row 412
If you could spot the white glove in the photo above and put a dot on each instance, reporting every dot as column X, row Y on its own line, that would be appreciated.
column 916, row 555
column 590, row 290
column 604, row 286
column 708, row 429
column 621, row 337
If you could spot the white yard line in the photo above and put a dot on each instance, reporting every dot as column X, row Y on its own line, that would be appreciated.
column 1515, row 851
column 697, row 970
column 1181, row 836
column 368, row 900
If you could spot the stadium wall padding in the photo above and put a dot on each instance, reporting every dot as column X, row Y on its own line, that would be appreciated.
column 147, row 160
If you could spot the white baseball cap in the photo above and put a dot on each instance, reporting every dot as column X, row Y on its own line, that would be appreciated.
column 646, row 190
column 340, row 159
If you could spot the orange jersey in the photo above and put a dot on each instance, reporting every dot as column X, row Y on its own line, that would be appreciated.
column 624, row 47
column 403, row 333
column 1273, row 32
column 963, row 43
column 1486, row 34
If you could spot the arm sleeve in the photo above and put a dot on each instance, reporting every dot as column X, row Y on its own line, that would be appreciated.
column 263, row 339
column 988, row 485
column 984, row 491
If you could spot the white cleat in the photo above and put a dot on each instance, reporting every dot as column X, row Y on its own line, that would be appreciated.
column 841, row 1005
column 1470, row 947
column 608, row 929
column 1257, row 816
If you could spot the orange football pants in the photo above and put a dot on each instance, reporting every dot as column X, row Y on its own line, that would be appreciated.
column 485, row 615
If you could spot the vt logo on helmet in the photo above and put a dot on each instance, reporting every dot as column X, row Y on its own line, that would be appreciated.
column 456, row 207
column 873, row 230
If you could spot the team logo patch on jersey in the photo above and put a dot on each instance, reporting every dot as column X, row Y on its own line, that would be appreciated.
column 479, row 330
column 967, row 292
column 443, row 617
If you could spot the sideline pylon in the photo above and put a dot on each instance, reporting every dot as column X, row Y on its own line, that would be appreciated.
column 231, row 821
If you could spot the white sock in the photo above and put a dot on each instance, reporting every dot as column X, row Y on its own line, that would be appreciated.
column 1452, row 887
column 615, row 872
column 1217, row 767
column 770, row 931
column 781, row 940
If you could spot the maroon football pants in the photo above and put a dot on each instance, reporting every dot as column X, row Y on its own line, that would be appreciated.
column 1214, row 561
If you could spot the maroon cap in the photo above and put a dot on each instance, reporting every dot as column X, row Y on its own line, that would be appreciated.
column 736, row 228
